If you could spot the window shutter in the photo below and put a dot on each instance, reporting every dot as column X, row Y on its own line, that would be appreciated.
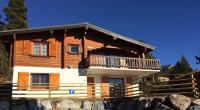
column 28, row 47
column 80, row 49
column 23, row 80
column 54, row 81
column 52, row 48
column 67, row 48
column 104, row 87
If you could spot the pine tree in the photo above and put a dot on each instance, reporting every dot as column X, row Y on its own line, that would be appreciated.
column 150, row 56
column 16, row 14
column 182, row 66
column 1, row 24
column 198, row 59
column 5, row 69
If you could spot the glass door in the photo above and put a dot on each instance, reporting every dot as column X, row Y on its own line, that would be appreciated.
column 116, row 87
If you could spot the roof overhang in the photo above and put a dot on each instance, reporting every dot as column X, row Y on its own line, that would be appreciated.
column 85, row 25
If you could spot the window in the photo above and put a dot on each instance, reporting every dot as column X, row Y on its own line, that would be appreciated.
column 39, row 80
column 74, row 49
column 40, row 49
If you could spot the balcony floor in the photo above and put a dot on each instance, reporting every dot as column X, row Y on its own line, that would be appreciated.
column 103, row 71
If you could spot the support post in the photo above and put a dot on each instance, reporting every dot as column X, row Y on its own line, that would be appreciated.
column 13, row 49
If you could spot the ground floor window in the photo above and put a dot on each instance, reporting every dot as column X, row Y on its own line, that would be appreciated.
column 39, row 80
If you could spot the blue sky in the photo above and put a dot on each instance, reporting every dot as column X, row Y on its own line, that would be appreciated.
column 173, row 26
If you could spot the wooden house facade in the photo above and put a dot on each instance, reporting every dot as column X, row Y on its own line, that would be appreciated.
column 78, row 60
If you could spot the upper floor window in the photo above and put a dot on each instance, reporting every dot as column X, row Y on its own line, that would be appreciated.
column 40, row 49
column 74, row 49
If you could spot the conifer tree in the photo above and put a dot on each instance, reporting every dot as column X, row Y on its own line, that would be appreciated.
column 182, row 66
column 16, row 14
column 5, row 69
column 198, row 59
column 1, row 24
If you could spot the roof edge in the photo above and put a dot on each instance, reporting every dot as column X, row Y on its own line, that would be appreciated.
column 77, row 25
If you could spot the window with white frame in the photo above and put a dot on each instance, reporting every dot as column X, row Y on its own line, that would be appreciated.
column 40, row 49
column 39, row 80
column 74, row 49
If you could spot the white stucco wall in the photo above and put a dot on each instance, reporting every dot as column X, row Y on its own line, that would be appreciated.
column 69, row 77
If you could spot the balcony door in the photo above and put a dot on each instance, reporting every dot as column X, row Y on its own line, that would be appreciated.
column 112, row 61
column 116, row 87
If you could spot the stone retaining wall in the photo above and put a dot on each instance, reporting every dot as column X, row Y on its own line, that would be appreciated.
column 172, row 102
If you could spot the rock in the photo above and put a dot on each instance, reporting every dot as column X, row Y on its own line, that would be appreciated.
column 4, row 105
column 20, row 107
column 144, row 102
column 121, row 105
column 35, row 105
column 160, row 106
column 69, row 104
column 131, row 105
column 194, row 107
column 46, row 104
column 87, row 105
column 179, row 102
column 98, row 105
column 163, row 79
column 197, row 102
column 159, row 99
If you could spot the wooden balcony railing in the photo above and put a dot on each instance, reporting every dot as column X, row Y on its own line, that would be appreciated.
column 123, row 62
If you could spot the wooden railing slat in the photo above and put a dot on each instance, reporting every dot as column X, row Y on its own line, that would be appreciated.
column 123, row 62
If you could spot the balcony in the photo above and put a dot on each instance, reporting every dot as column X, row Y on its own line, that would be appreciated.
column 100, row 64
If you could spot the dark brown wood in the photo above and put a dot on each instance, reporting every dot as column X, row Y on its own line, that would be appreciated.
column 14, row 49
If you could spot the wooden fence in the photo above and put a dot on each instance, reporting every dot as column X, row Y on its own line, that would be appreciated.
column 77, row 90
column 187, row 84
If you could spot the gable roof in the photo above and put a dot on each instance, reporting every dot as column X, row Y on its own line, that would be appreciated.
column 78, row 25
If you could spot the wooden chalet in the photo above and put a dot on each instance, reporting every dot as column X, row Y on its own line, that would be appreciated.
column 78, row 60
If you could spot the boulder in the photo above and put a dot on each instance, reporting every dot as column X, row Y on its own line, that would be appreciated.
column 121, row 105
column 4, row 105
column 69, row 104
column 160, row 106
column 98, row 105
column 179, row 102
column 87, row 105
column 35, row 105
column 20, row 107
column 194, row 107
column 197, row 102
column 144, row 102
column 46, row 104
column 163, row 79
column 131, row 105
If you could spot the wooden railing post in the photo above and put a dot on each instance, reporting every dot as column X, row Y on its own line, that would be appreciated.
column 49, row 92
column 118, row 62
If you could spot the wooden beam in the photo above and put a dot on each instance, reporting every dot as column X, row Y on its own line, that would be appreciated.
column 84, row 49
column 63, row 49
column 143, row 55
column 11, row 54
column 13, row 50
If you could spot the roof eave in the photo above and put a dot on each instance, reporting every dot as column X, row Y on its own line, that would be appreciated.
column 77, row 25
